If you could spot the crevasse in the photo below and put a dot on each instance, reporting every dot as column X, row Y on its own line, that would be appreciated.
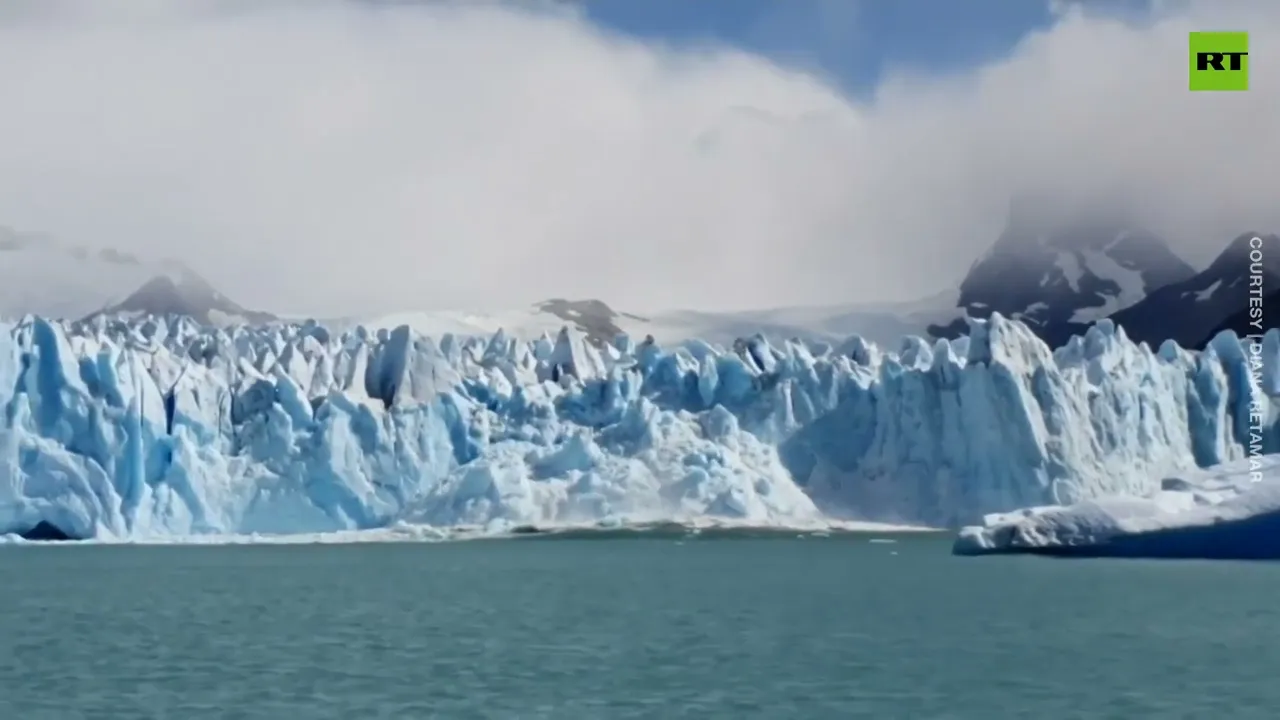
column 160, row 427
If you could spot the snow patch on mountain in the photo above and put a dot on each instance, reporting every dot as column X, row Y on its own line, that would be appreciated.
column 1068, row 264
column 1205, row 294
column 1129, row 283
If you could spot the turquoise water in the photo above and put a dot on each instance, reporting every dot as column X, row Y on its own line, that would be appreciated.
column 629, row 627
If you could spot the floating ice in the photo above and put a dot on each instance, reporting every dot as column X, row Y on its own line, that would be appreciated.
column 1229, row 512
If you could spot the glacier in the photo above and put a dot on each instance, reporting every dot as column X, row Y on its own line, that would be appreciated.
column 1229, row 512
column 160, row 427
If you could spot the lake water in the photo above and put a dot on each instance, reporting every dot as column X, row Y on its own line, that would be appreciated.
column 629, row 627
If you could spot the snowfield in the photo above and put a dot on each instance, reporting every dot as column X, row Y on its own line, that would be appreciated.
column 829, row 324
column 160, row 428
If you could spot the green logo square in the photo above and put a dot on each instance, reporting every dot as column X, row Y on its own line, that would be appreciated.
column 1219, row 61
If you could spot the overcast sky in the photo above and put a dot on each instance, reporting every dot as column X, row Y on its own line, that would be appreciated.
column 324, row 157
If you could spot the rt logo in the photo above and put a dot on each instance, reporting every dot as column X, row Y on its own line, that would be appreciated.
column 1219, row 61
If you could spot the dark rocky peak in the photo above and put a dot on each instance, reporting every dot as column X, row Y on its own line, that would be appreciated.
column 1242, row 252
column 1057, row 270
column 1191, row 311
column 593, row 317
column 182, row 291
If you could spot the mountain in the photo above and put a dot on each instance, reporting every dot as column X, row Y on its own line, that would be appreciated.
column 1060, row 275
column 183, row 292
column 1190, row 310
column 41, row 276
column 1251, row 321
column 166, row 428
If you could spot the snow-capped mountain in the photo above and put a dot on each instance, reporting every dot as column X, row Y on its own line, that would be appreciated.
column 42, row 276
column 1059, row 276
column 1190, row 310
column 183, row 292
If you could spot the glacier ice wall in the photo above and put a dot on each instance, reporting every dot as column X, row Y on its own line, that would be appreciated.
column 160, row 427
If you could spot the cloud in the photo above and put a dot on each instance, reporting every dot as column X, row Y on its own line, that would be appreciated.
column 327, row 157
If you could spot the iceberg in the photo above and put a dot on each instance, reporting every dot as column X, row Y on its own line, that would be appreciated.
column 159, row 427
column 1230, row 512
